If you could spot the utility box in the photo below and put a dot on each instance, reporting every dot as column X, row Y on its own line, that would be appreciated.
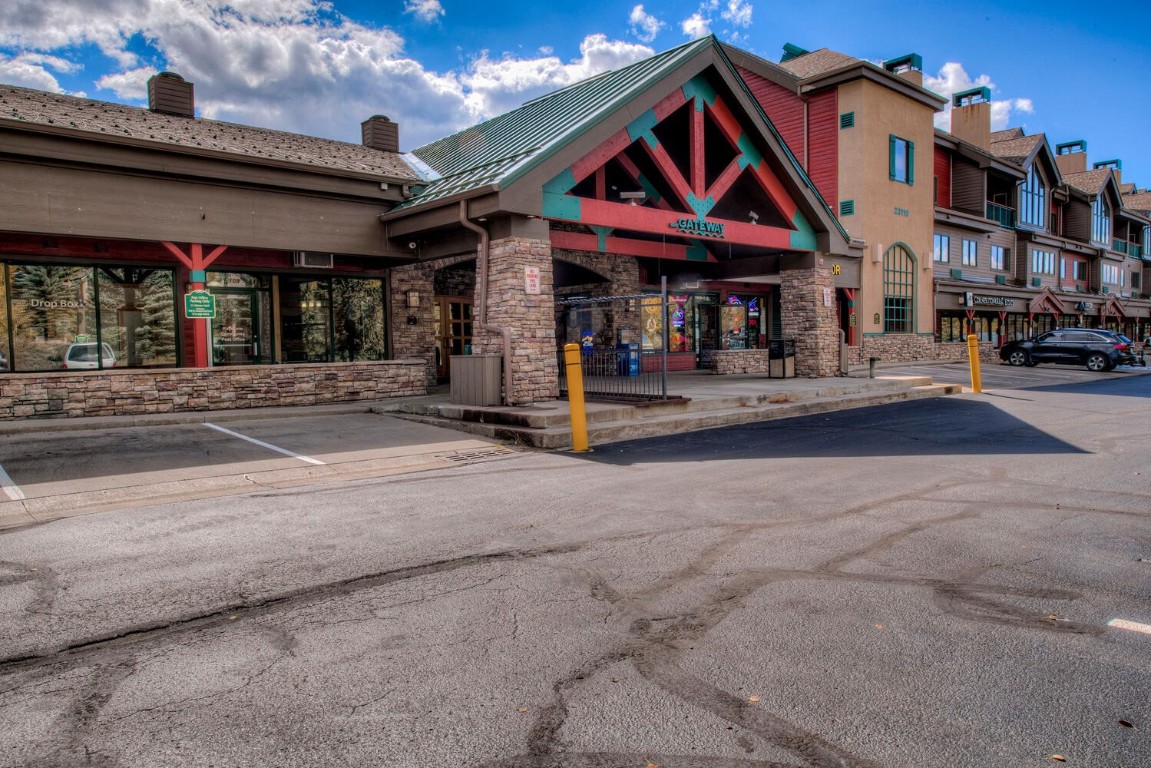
column 627, row 359
column 476, row 379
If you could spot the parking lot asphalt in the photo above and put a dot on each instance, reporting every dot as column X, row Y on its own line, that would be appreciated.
column 48, row 473
column 62, row 468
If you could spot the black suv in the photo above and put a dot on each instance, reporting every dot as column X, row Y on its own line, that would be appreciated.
column 1097, row 349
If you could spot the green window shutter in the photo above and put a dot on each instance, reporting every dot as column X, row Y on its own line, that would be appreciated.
column 911, row 162
column 891, row 156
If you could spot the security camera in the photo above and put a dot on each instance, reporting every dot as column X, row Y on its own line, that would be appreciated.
column 412, row 245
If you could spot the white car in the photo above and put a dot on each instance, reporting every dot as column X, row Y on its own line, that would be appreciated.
column 83, row 355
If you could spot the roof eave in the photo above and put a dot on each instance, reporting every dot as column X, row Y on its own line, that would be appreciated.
column 867, row 71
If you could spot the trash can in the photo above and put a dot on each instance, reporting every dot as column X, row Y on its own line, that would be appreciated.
column 476, row 379
column 627, row 359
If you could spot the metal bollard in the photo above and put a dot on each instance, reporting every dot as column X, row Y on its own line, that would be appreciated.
column 871, row 367
column 574, row 368
column 973, row 361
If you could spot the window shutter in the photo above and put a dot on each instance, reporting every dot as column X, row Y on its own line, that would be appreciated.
column 911, row 162
column 891, row 156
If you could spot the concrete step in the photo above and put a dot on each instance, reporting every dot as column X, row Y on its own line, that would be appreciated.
column 656, row 422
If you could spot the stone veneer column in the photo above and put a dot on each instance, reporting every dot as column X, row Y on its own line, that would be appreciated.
column 805, row 318
column 416, row 340
column 530, row 319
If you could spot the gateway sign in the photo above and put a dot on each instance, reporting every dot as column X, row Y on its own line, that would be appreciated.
column 698, row 227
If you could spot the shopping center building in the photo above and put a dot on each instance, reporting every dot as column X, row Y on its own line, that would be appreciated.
column 156, row 261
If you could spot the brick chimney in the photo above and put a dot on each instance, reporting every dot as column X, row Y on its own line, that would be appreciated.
column 170, row 94
column 1071, row 156
column 381, row 133
column 909, row 67
column 971, row 117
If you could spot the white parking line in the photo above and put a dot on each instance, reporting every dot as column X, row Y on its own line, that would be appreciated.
column 261, row 443
column 11, row 490
column 1134, row 626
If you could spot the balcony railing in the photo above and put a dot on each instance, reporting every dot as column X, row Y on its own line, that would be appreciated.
column 1001, row 214
column 1131, row 249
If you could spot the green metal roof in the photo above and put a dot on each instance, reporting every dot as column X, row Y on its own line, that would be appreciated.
column 499, row 150
column 496, row 149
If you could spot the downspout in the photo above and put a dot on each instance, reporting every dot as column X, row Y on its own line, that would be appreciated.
column 482, row 259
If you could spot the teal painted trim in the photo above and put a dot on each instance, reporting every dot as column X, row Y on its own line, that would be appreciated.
column 701, row 207
column 873, row 335
column 557, row 204
column 562, row 184
column 803, row 237
column 199, row 276
column 749, row 154
column 699, row 89
column 642, row 126
column 696, row 251
column 649, row 188
column 601, row 234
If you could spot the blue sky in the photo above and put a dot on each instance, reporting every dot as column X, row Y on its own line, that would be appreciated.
column 435, row 66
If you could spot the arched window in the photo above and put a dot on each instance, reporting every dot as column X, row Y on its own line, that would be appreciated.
column 899, row 290
column 1033, row 199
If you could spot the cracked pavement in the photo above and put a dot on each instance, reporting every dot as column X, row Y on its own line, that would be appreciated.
column 921, row 584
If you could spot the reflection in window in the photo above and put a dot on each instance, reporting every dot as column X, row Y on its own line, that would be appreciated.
column 137, row 315
column 898, row 290
column 358, row 308
column 84, row 318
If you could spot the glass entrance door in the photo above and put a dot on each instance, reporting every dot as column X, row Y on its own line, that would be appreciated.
column 453, row 327
column 236, row 328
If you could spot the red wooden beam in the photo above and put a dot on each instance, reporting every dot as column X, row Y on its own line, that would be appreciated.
column 671, row 173
column 698, row 154
column 641, row 219
column 634, row 172
column 579, row 241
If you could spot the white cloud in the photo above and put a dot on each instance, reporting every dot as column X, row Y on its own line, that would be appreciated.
column 295, row 65
column 953, row 78
column 32, row 71
column 643, row 25
column 496, row 85
column 696, row 26
column 738, row 12
column 424, row 10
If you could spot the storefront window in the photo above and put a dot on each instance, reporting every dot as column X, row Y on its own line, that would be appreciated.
column 5, row 340
column 137, row 315
column 358, row 308
column 84, row 318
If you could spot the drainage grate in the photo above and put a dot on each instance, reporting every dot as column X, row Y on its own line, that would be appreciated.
column 486, row 453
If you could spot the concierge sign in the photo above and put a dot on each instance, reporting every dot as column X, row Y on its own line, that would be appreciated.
column 974, row 300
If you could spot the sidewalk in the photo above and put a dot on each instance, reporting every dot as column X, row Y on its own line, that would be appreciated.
column 699, row 400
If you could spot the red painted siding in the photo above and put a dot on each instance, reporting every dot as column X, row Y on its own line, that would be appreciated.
column 818, row 152
column 823, row 154
column 943, row 177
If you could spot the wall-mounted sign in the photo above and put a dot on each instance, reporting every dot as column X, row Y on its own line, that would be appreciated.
column 836, row 269
column 1086, row 306
column 199, row 305
column 56, row 304
column 698, row 227
column 972, row 300
column 827, row 297
column 532, row 280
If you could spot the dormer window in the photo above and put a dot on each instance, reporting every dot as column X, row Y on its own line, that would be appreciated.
column 1033, row 199
column 1101, row 221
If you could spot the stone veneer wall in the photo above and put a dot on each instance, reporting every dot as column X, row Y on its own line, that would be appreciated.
column 622, row 318
column 908, row 348
column 804, row 318
column 170, row 390
column 529, row 318
column 414, row 340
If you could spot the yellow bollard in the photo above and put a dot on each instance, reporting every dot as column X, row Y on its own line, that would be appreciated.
column 973, row 359
column 574, row 372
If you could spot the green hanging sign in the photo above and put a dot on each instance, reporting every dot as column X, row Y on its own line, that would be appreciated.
column 199, row 305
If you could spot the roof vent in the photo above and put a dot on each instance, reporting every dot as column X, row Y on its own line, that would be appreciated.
column 170, row 94
column 971, row 117
column 909, row 67
column 381, row 133
column 792, row 52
